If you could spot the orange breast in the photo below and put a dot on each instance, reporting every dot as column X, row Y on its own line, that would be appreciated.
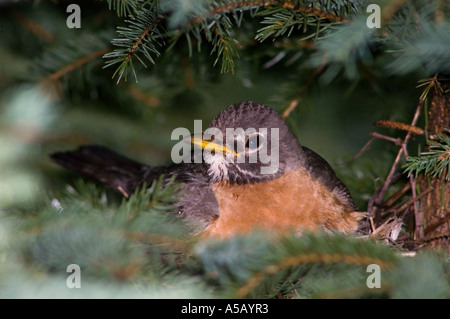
column 294, row 201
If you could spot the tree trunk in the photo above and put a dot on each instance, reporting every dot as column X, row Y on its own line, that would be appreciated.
column 433, row 216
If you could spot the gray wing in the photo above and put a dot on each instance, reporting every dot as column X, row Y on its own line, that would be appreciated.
column 322, row 171
column 197, row 201
column 198, row 204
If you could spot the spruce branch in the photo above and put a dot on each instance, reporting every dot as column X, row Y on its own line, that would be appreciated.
column 344, row 50
column 252, row 267
column 315, row 265
column 434, row 162
column 225, row 45
column 159, row 196
column 75, row 65
column 213, row 20
column 139, row 37
column 124, row 8
column 290, row 16
column 304, row 259
column 320, row 9
column 85, row 227
column 68, row 62
column 416, row 54
column 281, row 22
column 429, row 83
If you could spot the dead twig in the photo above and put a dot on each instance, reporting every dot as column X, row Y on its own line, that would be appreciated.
column 295, row 101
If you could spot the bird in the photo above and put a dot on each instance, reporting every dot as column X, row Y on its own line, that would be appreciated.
column 234, row 189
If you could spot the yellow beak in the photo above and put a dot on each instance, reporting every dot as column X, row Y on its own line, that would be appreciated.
column 209, row 145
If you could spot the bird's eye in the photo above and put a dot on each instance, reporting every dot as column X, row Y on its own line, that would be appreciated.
column 253, row 142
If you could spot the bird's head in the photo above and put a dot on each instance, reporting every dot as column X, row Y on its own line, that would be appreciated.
column 247, row 143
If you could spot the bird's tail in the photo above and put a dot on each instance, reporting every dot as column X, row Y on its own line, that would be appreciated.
column 103, row 166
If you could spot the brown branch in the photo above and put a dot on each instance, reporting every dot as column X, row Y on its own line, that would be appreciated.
column 363, row 149
column 317, row 13
column 78, row 63
column 419, row 224
column 140, row 39
column 290, row 5
column 375, row 135
column 397, row 195
column 295, row 101
column 156, row 239
column 291, row 107
column 139, row 95
column 308, row 258
column 378, row 196
column 396, row 141
column 32, row 26
column 403, row 206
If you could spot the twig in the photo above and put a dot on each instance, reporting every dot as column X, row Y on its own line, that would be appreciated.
column 363, row 149
column 138, row 42
column 290, row 5
column 295, row 101
column 33, row 26
column 418, row 222
column 120, row 189
column 138, row 94
column 378, row 197
column 410, row 201
column 412, row 182
column 396, row 141
column 78, row 63
column 372, row 224
column 397, row 195
column 291, row 107
column 372, row 199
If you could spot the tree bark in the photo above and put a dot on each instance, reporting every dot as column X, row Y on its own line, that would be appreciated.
column 433, row 215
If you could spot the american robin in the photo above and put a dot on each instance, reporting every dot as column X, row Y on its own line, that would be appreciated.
column 228, row 193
